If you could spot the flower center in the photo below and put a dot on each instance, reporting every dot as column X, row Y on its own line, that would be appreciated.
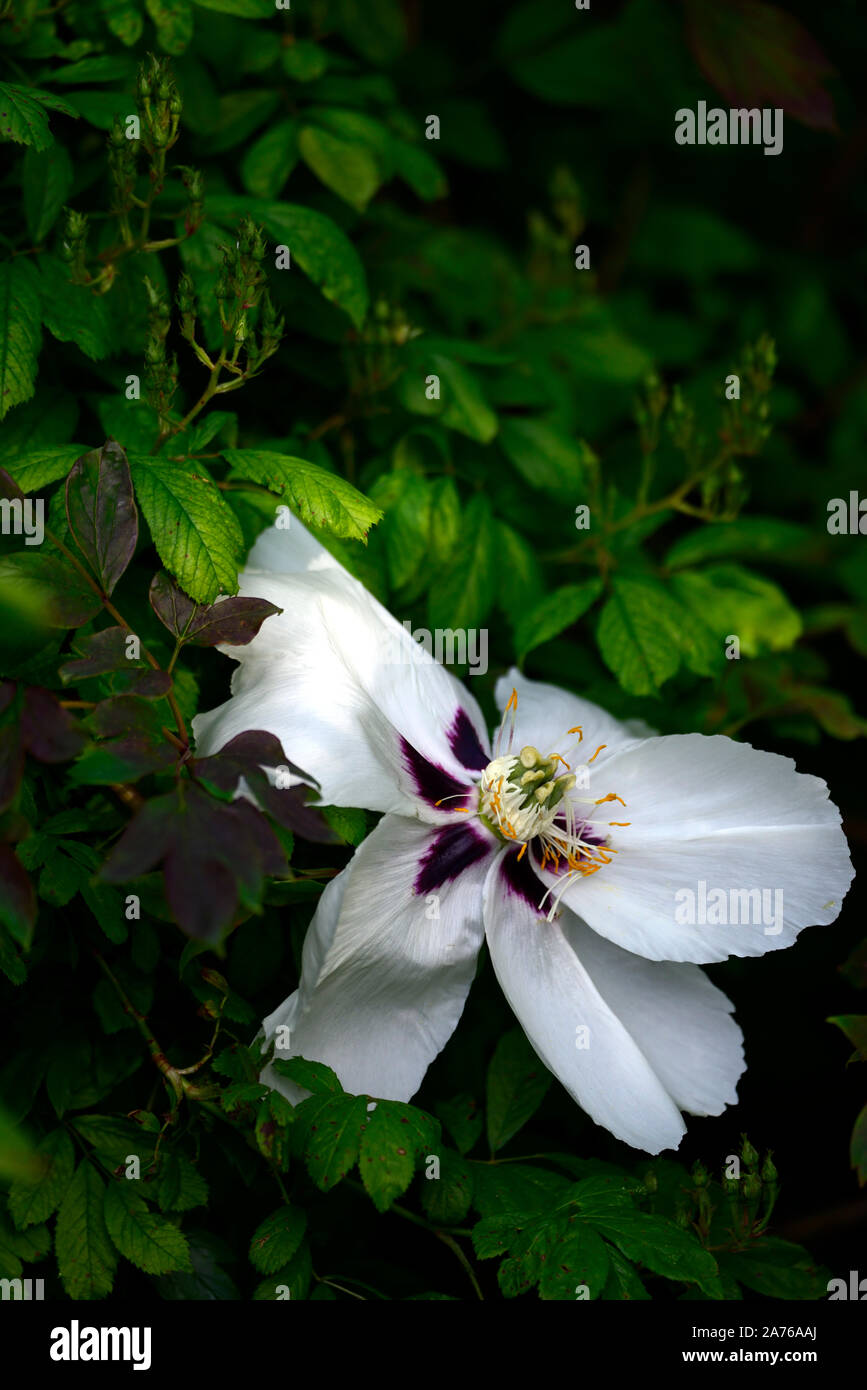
column 519, row 796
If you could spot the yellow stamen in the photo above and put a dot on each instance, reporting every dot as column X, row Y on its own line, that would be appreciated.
column 523, row 852
column 596, row 755
column 577, row 730
column 612, row 796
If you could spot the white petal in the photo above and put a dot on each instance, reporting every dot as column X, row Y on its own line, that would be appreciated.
column 344, row 687
column 712, row 812
column 545, row 714
column 555, row 998
column 681, row 1022
column 389, row 958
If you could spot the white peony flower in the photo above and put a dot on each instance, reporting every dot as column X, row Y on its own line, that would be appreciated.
column 575, row 877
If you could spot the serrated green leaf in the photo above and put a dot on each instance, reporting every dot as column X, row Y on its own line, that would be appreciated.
column 320, row 498
column 34, row 471
column 447, row 1195
column 180, row 1186
column 633, row 643
column 20, row 333
column 516, row 1086
column 328, row 1130
column 86, row 1258
column 396, row 1140
column 659, row 1245
column 276, row 1239
column 291, row 1281
column 578, row 1262
column 623, row 1282
column 46, row 177
column 196, row 535
column 151, row 1242
column 73, row 313
column 315, row 1077
column 23, row 118
column 33, row 1202
column 554, row 614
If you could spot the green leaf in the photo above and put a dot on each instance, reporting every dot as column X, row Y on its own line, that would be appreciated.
column 405, row 498
column 464, row 407
column 304, row 61
column 196, row 535
column 292, row 1280
column 375, row 28
column 447, row 1197
column 85, row 1256
column 396, row 1140
column 270, row 160
column 632, row 643
column 73, row 313
column 150, row 1241
column 777, row 1269
column 46, row 178
column 315, row 1077
column 277, row 1238
column 35, row 470
column 747, row 536
column 124, row 18
column 174, row 23
column 544, row 456
column 462, row 1117
column 732, row 600
column 659, row 1245
column 20, row 335
column 320, row 498
column 465, row 594
column 246, row 9
column 348, row 169
column 113, row 1138
column 181, row 1186
column 350, row 823
column 23, row 118
column 554, row 614
column 578, row 1260
column 516, row 1086
column 314, row 241
column 33, row 1202
column 623, row 1282
column 328, row 1130
column 511, row 1187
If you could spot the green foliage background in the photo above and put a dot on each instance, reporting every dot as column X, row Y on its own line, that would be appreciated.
column 282, row 228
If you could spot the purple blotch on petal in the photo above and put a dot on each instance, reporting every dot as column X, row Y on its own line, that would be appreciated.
column 519, row 878
column 433, row 783
column 452, row 850
column 464, row 743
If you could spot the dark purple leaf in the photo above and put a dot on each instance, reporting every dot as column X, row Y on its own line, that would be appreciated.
column 234, row 621
column 145, row 841
column 757, row 55
column 102, row 513
column 171, row 605
column 202, row 895
column 149, row 685
column 215, row 856
column 49, row 732
column 245, row 756
column 126, row 714
column 11, row 763
column 103, row 652
column 17, row 898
